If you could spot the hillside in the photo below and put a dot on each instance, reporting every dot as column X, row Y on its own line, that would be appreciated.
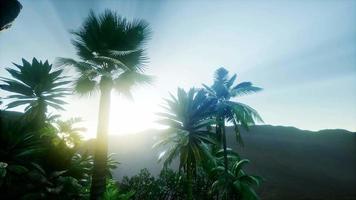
column 296, row 164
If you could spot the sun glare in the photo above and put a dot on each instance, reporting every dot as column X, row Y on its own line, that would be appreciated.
column 129, row 117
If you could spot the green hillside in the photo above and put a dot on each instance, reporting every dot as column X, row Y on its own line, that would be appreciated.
column 296, row 164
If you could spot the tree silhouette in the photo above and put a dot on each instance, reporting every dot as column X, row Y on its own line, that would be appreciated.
column 111, row 57
column 226, row 110
column 187, row 116
column 37, row 86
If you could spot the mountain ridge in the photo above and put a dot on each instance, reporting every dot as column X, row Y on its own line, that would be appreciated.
column 297, row 164
column 261, row 125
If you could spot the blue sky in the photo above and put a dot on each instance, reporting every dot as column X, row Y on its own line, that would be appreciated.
column 303, row 53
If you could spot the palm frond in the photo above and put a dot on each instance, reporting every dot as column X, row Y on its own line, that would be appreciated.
column 188, row 120
column 109, row 61
column 18, row 103
column 16, row 87
column 244, row 113
column 35, row 83
column 122, row 53
column 83, row 67
column 231, row 81
column 244, row 88
column 108, row 33
column 85, row 86
column 129, row 79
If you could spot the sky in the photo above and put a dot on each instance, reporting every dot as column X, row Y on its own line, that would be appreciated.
column 302, row 53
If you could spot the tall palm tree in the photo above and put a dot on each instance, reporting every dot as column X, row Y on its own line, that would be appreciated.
column 36, row 85
column 111, row 57
column 187, row 118
column 222, row 92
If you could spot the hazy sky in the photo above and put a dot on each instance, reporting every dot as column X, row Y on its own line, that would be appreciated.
column 303, row 53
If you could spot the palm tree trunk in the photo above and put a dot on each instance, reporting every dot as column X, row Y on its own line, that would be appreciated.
column 217, row 147
column 224, row 146
column 218, row 133
column 101, row 150
column 38, row 118
column 226, row 164
column 190, row 182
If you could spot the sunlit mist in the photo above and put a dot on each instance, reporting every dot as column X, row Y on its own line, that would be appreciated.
column 129, row 117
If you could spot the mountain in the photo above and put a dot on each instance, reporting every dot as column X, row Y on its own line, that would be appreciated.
column 297, row 164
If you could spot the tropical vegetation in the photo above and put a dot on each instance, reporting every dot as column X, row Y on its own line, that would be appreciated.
column 43, row 156
column 188, row 135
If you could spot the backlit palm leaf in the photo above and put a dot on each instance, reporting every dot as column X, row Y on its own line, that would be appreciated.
column 187, row 122
column 37, row 85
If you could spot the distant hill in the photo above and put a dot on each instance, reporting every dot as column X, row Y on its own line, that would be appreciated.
column 296, row 164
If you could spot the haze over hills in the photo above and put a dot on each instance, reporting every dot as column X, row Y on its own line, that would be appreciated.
column 296, row 164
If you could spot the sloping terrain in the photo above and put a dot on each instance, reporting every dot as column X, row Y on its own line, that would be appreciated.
column 296, row 164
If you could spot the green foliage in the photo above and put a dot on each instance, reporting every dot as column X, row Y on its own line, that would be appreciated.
column 111, row 165
column 16, row 144
column 68, row 132
column 43, row 162
column 190, row 117
column 109, row 46
column 80, row 168
column 169, row 185
column 36, row 85
column 235, row 184
column 226, row 110
column 144, row 185
column 52, row 185
column 39, row 153
column 113, row 192
column 187, row 117
column 32, row 166
column 222, row 91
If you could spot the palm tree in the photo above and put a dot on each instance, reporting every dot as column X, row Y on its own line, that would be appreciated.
column 36, row 85
column 222, row 92
column 111, row 57
column 187, row 117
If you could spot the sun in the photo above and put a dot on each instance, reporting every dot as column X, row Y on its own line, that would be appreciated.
column 128, row 117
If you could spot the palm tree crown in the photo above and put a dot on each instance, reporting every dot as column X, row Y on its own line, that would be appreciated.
column 223, row 90
column 36, row 85
column 111, row 52
column 187, row 117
